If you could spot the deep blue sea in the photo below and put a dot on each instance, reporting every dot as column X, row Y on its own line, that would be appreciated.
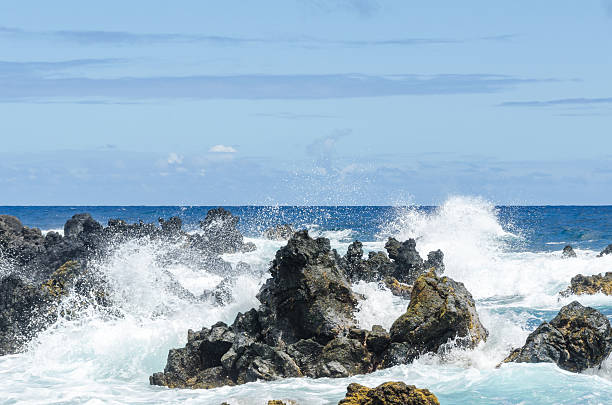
column 508, row 257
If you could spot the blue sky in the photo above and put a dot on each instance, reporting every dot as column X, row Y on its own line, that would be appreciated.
column 305, row 102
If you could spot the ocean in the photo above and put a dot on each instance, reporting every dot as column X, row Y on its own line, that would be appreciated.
column 509, row 258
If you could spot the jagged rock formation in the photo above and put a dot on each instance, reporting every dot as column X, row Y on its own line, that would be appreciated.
column 606, row 251
column 42, row 269
column 568, row 252
column 305, row 326
column 589, row 285
column 279, row 232
column 403, row 263
column 389, row 393
column 440, row 310
column 26, row 309
column 576, row 339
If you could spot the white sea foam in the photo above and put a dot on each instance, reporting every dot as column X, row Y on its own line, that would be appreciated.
column 107, row 358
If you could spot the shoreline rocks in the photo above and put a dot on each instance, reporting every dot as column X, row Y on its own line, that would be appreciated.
column 576, row 339
column 590, row 285
column 568, row 252
column 440, row 310
column 279, row 232
column 607, row 250
column 305, row 326
column 42, row 269
column 389, row 393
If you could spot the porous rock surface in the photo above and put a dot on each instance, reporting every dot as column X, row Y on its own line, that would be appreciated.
column 305, row 326
column 590, row 285
column 576, row 339
column 38, row 271
column 389, row 393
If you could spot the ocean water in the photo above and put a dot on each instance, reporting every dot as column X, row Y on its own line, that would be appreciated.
column 508, row 257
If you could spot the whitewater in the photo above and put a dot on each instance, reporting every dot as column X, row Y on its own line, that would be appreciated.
column 106, row 356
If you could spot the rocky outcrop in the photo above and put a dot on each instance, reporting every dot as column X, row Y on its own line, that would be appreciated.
column 403, row 263
column 568, row 252
column 279, row 232
column 43, row 269
column 576, row 339
column 305, row 326
column 606, row 251
column 389, row 393
column 26, row 309
column 595, row 284
column 440, row 310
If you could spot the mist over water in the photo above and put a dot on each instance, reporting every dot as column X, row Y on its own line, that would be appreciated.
column 508, row 258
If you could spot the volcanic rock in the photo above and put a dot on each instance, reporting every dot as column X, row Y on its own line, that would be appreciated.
column 576, row 339
column 589, row 285
column 568, row 252
column 606, row 251
column 279, row 232
column 389, row 393
column 440, row 310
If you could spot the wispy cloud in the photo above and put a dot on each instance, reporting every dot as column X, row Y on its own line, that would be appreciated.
column 174, row 158
column 363, row 8
column 293, row 116
column 222, row 149
column 31, row 82
column 558, row 102
column 123, row 38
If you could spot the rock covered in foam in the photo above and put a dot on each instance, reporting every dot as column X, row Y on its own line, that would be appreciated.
column 607, row 250
column 440, row 310
column 389, row 393
column 45, row 268
column 568, row 252
column 576, row 339
column 279, row 232
column 594, row 284
column 305, row 326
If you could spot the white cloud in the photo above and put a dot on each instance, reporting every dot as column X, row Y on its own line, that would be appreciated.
column 174, row 158
column 222, row 149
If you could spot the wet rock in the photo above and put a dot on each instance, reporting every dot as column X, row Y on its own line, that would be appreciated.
column 440, row 310
column 396, row 354
column 81, row 223
column 308, row 295
column 576, row 339
column 343, row 357
column 435, row 261
column 568, row 252
column 219, row 233
column 594, row 284
column 389, row 393
column 378, row 340
column 279, row 232
column 397, row 288
column 26, row 309
column 606, row 251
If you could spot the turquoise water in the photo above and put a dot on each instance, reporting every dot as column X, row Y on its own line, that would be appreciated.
column 508, row 257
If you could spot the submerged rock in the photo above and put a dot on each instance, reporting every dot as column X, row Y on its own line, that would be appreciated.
column 576, row 339
column 606, row 251
column 568, row 252
column 589, row 285
column 279, row 232
column 389, row 393
column 440, row 310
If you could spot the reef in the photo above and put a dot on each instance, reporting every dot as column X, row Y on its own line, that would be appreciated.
column 389, row 393
column 576, row 339
column 568, row 252
column 305, row 326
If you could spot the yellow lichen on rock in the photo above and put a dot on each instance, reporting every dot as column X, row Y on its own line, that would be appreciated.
column 56, row 285
column 389, row 393
column 590, row 285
